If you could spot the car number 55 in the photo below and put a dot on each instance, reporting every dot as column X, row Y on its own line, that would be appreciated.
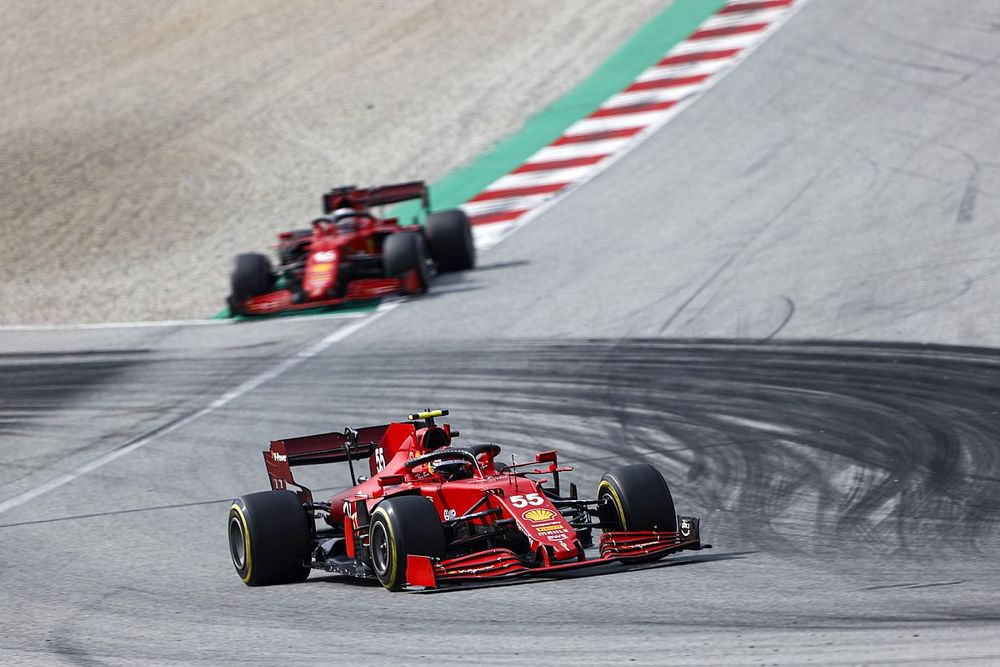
column 527, row 499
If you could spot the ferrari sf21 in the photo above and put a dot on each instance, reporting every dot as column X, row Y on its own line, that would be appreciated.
column 350, row 254
column 431, row 513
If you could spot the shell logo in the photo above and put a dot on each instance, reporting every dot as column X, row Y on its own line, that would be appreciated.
column 538, row 515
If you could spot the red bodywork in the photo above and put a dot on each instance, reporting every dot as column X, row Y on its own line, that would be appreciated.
column 399, row 462
column 329, row 249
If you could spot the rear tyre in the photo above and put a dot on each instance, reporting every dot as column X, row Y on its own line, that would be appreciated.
column 402, row 253
column 402, row 526
column 636, row 497
column 449, row 236
column 251, row 276
column 269, row 538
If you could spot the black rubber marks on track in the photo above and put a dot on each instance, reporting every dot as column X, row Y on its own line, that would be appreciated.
column 800, row 447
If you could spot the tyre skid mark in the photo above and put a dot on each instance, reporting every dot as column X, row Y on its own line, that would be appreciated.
column 790, row 447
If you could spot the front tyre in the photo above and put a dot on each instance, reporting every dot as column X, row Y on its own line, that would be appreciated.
column 449, row 236
column 636, row 497
column 402, row 526
column 403, row 253
column 269, row 538
column 252, row 276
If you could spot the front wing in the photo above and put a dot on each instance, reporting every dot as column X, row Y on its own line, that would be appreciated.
column 500, row 563
column 361, row 289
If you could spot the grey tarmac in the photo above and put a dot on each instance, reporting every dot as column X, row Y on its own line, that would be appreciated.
column 785, row 300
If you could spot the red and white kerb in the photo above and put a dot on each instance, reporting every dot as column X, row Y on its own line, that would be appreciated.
column 622, row 122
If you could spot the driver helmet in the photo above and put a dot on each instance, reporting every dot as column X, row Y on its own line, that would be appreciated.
column 346, row 219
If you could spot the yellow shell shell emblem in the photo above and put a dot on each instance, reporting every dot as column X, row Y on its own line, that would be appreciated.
column 539, row 515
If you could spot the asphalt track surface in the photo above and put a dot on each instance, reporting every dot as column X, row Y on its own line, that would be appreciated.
column 784, row 300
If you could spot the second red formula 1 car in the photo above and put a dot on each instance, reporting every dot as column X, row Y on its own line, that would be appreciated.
column 431, row 513
column 353, row 255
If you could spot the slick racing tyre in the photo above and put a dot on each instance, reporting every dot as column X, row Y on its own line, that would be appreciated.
column 449, row 236
column 404, row 252
column 269, row 538
column 401, row 526
column 636, row 497
column 251, row 276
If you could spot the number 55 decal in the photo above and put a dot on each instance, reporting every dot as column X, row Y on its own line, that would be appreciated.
column 524, row 501
column 379, row 458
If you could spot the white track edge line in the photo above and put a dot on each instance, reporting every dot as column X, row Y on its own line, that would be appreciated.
column 154, row 323
column 240, row 390
column 339, row 335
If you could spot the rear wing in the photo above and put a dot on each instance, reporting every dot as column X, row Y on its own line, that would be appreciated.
column 348, row 446
column 351, row 196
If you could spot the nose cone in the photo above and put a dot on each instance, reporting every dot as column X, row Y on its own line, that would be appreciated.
column 546, row 525
column 321, row 273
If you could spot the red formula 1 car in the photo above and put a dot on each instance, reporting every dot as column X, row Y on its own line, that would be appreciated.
column 352, row 255
column 431, row 513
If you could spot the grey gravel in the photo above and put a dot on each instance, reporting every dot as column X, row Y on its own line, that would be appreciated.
column 142, row 145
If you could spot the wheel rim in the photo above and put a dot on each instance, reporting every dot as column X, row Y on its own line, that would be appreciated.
column 237, row 543
column 380, row 548
column 615, row 510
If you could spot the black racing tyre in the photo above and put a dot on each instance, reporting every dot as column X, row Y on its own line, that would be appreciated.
column 400, row 253
column 401, row 526
column 637, row 498
column 403, row 252
column 269, row 538
column 449, row 237
column 251, row 276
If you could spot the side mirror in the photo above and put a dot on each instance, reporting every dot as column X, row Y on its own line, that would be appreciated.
column 390, row 480
column 546, row 457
